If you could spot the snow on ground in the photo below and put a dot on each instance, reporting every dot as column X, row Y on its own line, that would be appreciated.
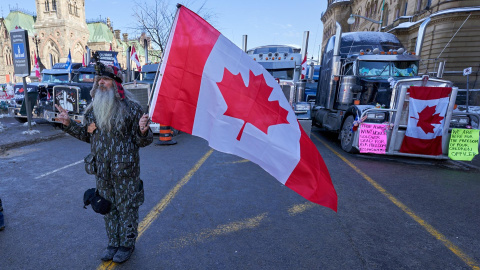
column 31, row 132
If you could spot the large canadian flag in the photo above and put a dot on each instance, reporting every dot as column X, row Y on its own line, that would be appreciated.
column 426, row 118
column 210, row 88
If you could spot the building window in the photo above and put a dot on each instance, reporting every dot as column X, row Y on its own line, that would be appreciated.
column 54, row 5
column 405, row 10
column 47, row 6
column 429, row 3
column 385, row 16
column 419, row 5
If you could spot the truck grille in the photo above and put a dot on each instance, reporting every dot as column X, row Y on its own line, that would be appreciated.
column 140, row 91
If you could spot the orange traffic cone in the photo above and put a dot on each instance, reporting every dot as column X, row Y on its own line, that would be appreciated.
column 165, row 136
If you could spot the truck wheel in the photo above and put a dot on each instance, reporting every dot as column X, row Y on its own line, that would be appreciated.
column 346, row 136
column 21, row 119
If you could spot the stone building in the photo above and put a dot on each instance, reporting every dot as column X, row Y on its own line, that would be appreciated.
column 451, row 35
column 60, row 26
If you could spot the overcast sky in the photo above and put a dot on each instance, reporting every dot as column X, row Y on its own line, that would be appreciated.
column 265, row 22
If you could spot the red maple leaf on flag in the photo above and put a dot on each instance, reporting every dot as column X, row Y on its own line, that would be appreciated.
column 427, row 117
column 250, row 103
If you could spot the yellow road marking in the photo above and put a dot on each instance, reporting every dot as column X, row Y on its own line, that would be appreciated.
column 429, row 228
column 300, row 208
column 158, row 209
column 240, row 161
column 220, row 230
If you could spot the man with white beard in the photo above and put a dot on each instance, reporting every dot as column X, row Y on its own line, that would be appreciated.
column 115, row 126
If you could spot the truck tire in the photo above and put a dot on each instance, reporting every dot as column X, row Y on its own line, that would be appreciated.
column 346, row 136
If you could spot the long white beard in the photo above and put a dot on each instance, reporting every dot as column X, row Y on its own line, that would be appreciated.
column 109, row 112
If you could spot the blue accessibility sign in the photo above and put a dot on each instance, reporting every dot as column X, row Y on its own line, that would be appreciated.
column 19, row 51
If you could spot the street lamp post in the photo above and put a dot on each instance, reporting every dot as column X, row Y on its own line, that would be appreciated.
column 36, row 39
column 351, row 19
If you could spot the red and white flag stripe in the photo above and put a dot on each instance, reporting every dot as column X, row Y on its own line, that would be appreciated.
column 188, row 98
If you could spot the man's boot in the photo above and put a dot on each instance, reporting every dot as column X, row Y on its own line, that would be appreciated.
column 2, row 223
column 123, row 254
column 108, row 253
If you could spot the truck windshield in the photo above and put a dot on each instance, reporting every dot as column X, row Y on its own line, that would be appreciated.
column 55, row 78
column 405, row 69
column 85, row 77
column 370, row 68
column 282, row 74
column 149, row 76
column 383, row 69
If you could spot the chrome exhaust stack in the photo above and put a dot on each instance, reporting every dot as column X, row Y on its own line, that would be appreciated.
column 421, row 35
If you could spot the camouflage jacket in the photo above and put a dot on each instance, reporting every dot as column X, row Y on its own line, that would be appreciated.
column 116, row 153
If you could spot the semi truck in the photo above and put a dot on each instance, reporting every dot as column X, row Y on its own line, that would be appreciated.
column 284, row 63
column 365, row 78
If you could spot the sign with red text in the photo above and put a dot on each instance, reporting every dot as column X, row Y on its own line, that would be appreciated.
column 372, row 138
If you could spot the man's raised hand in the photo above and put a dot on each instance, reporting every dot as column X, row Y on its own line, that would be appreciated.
column 62, row 116
column 144, row 124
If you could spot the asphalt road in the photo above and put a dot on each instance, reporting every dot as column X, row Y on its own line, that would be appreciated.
column 208, row 210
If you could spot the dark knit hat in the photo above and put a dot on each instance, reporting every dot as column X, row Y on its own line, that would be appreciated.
column 109, row 72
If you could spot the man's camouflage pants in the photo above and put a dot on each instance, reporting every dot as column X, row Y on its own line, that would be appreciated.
column 126, row 195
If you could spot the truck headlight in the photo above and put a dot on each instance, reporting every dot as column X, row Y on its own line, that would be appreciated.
column 460, row 120
column 376, row 116
column 302, row 107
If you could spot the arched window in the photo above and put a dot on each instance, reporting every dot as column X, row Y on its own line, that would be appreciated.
column 385, row 16
column 419, row 5
column 47, row 6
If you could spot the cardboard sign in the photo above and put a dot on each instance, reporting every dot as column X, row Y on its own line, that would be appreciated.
column 67, row 97
column 463, row 144
column 372, row 138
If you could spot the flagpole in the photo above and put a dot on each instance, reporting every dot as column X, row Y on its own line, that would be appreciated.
column 155, row 81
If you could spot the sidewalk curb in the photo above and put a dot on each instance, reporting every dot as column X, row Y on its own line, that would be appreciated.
column 8, row 146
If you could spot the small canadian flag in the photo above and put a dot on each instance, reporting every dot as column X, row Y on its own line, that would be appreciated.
column 37, row 68
column 134, row 57
column 304, row 67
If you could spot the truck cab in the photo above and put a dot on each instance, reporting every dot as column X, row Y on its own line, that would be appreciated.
column 148, row 73
column 284, row 63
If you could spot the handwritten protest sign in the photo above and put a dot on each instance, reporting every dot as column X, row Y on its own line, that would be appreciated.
column 372, row 138
column 463, row 144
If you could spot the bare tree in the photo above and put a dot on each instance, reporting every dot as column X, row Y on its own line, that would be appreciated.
column 156, row 19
